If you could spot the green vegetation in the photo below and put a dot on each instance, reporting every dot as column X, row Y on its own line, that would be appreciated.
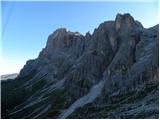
column 36, row 86
column 12, row 93
column 59, row 101
column 115, row 103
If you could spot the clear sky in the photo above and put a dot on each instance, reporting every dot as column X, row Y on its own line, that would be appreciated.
column 26, row 25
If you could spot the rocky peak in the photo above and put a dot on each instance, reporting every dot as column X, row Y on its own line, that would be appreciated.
column 61, row 35
column 74, row 73
column 125, row 23
column 125, row 16
column 88, row 34
column 60, row 31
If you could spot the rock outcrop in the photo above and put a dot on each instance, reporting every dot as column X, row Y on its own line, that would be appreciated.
column 112, row 73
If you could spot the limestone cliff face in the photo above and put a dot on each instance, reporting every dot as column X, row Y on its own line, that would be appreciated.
column 75, row 73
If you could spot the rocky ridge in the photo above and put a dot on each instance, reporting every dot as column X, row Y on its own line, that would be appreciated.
column 112, row 73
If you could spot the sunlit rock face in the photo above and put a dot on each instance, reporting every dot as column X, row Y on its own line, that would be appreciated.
column 112, row 73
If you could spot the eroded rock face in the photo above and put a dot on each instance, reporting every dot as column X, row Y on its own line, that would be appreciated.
column 74, row 73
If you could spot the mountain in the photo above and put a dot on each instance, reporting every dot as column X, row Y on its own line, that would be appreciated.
column 112, row 73
column 9, row 76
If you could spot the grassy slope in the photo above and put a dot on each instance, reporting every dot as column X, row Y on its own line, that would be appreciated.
column 117, row 104
column 12, row 94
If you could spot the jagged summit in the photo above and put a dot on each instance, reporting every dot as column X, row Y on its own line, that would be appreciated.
column 111, row 73
column 124, row 16
column 64, row 30
column 120, row 18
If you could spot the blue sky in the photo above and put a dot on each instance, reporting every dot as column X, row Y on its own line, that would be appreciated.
column 26, row 25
